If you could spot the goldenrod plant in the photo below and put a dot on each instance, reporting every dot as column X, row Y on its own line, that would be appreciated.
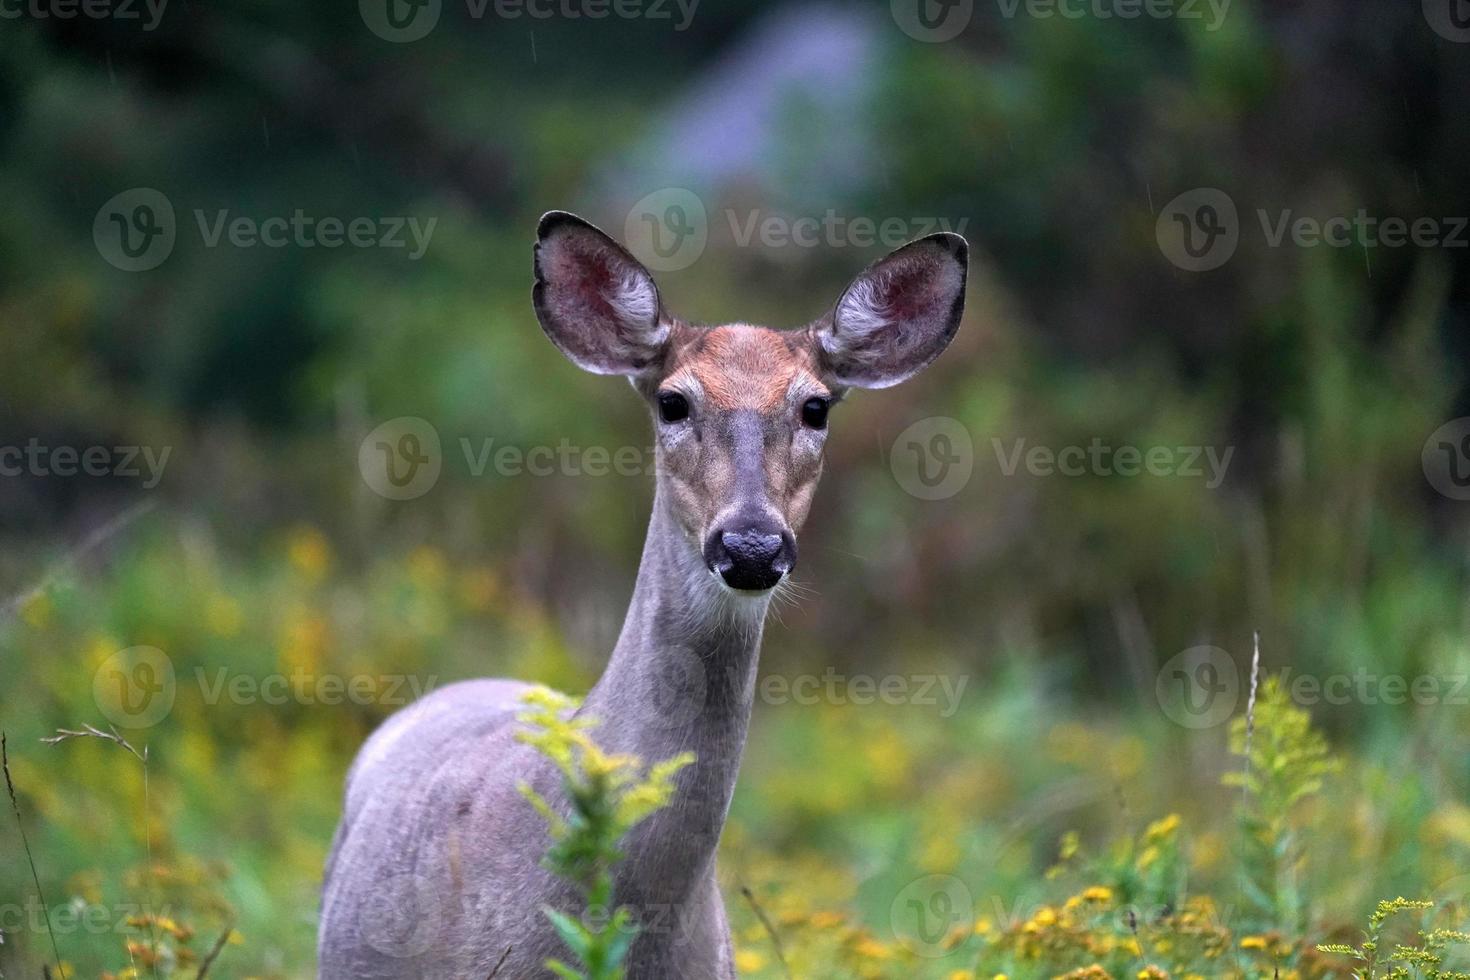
column 608, row 794
column 1401, row 962
column 1284, row 763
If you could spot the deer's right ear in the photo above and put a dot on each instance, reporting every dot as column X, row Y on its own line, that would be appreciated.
column 594, row 300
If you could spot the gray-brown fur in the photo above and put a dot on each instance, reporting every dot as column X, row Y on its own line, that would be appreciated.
column 434, row 872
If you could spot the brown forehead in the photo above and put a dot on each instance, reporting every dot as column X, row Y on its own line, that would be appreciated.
column 740, row 366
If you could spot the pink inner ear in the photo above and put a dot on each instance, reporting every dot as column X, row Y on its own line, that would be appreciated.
column 911, row 292
column 587, row 274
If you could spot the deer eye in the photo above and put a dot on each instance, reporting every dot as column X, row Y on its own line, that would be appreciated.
column 672, row 406
column 814, row 412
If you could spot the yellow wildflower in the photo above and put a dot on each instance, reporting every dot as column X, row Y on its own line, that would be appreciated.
column 748, row 961
column 1162, row 829
column 427, row 567
column 871, row 948
column 223, row 616
column 35, row 609
column 309, row 552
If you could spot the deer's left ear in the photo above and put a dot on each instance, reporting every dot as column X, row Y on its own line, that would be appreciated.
column 896, row 317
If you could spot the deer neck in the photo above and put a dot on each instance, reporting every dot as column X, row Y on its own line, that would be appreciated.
column 681, row 678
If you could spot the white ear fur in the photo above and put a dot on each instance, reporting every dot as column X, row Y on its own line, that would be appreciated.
column 595, row 302
column 898, row 315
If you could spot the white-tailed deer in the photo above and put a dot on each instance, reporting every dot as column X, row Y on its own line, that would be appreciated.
column 435, row 870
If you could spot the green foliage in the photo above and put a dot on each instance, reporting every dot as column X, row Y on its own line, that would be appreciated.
column 824, row 829
column 608, row 797
column 1424, row 959
column 1285, row 762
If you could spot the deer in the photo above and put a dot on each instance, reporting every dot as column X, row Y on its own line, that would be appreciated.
column 434, row 869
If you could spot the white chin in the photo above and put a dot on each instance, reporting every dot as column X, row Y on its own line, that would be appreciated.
column 749, row 594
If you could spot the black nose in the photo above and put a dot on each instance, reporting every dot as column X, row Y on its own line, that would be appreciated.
column 752, row 558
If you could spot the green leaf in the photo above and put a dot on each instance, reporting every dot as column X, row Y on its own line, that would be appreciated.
column 623, row 934
column 572, row 932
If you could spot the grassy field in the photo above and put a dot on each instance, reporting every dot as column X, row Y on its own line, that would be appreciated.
column 1005, row 832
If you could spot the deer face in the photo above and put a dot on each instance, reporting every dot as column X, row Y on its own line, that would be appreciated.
column 740, row 412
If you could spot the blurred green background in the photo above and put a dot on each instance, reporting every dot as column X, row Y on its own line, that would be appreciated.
column 1056, row 143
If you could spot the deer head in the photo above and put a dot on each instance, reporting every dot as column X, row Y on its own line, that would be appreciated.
column 740, row 412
